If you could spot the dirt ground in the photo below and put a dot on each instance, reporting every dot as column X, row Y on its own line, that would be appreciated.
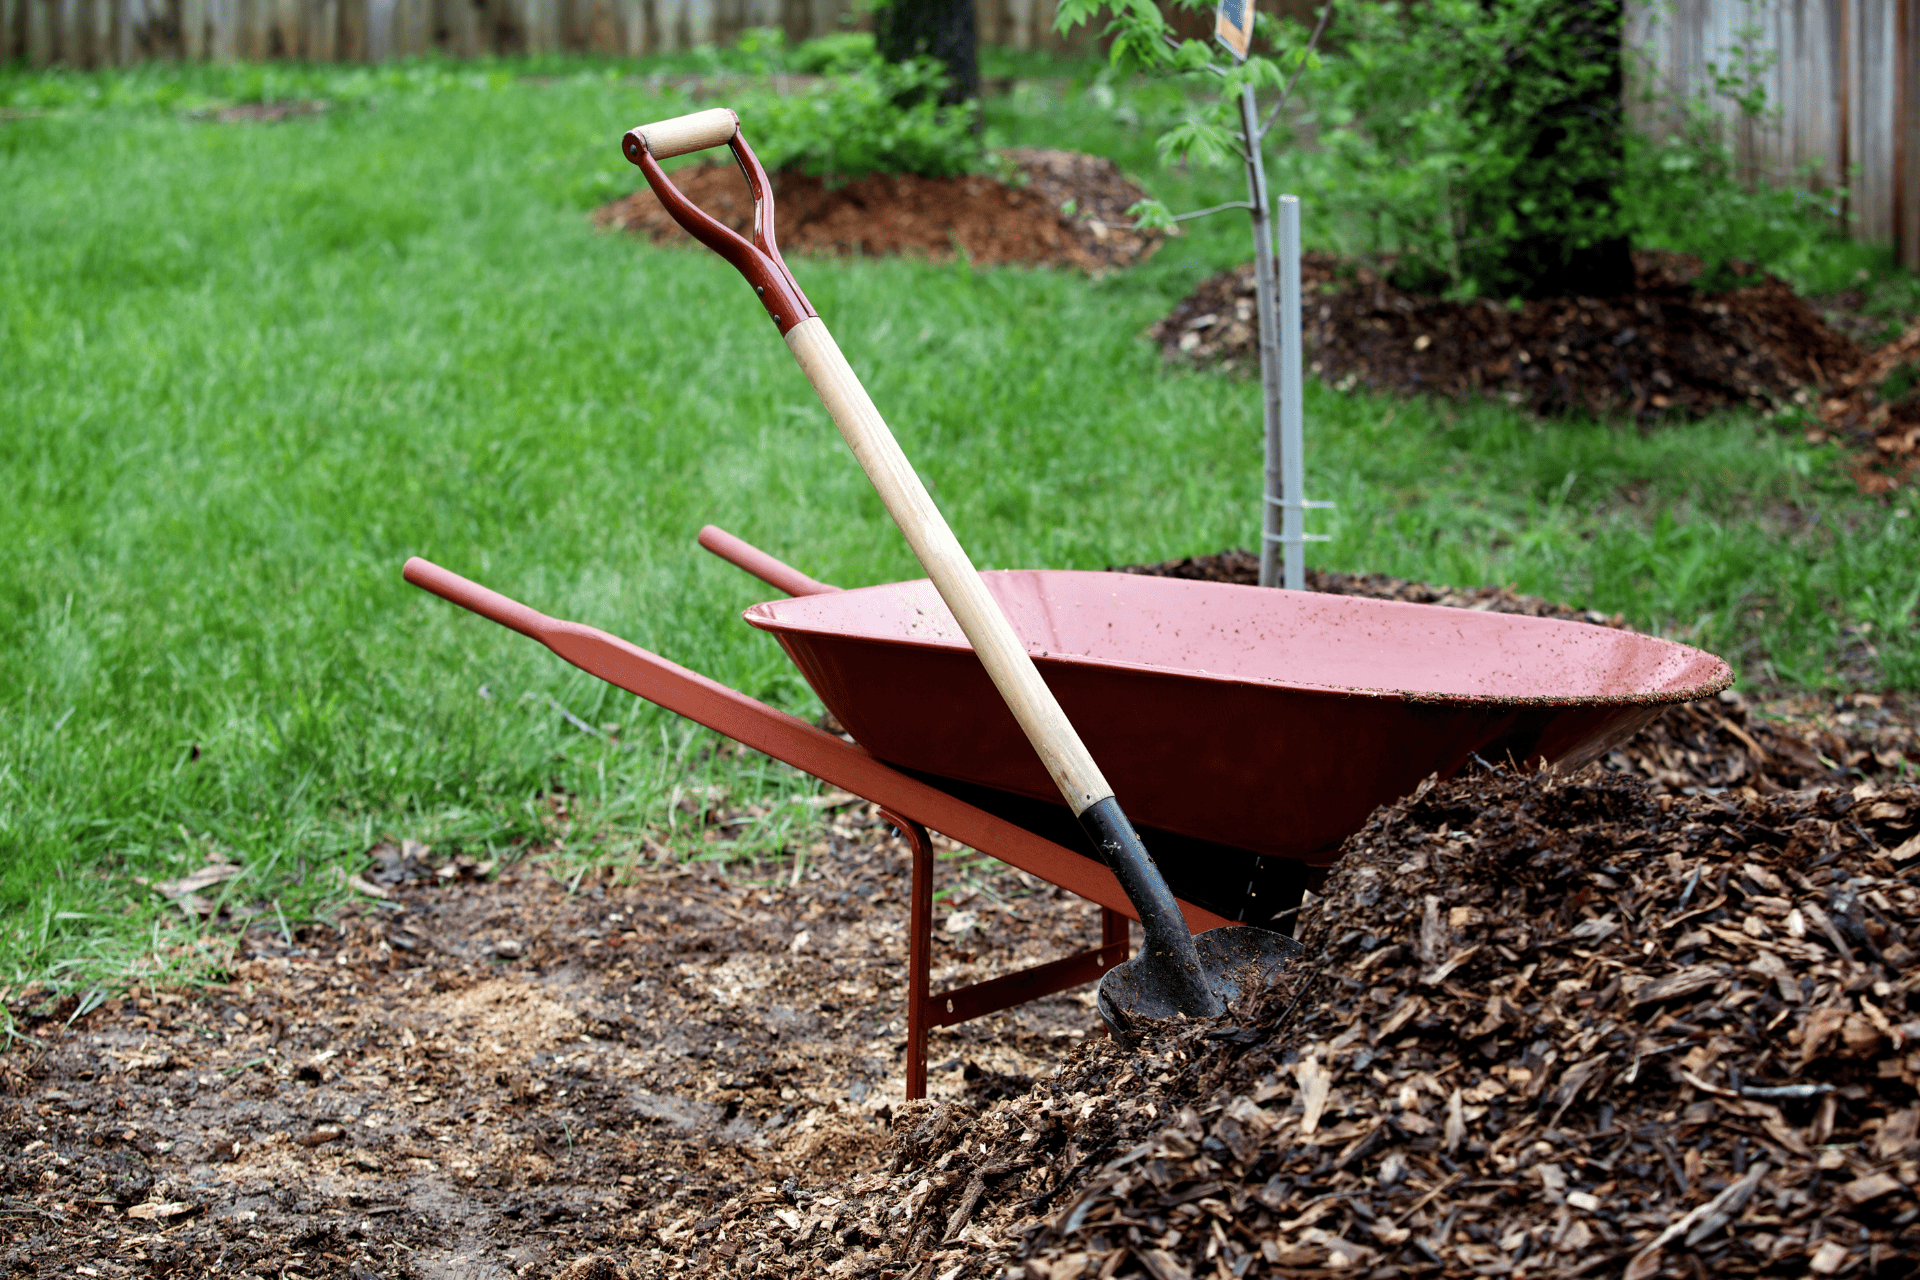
column 1058, row 208
column 500, row 1077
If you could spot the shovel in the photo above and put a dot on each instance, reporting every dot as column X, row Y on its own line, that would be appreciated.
column 1175, row 972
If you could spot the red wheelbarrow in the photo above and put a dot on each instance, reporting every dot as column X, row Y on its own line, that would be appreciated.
column 1251, row 729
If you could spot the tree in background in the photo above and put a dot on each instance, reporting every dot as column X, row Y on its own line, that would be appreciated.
column 940, row 29
column 1480, row 143
column 1556, row 97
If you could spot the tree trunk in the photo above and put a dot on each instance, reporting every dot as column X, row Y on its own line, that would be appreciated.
column 942, row 29
column 1565, row 195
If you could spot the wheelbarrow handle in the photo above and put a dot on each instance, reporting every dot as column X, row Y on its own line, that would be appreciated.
column 757, row 259
column 775, row 573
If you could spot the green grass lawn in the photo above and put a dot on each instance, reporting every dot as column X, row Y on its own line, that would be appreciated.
column 249, row 369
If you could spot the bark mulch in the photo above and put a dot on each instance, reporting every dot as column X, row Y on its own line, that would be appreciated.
column 1670, row 349
column 1062, row 208
column 1878, row 401
column 1556, row 1026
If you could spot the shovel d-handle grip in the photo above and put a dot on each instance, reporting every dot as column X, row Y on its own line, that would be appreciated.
column 757, row 259
column 693, row 132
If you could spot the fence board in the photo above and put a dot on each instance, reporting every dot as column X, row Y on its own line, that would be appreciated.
column 39, row 33
column 1907, row 135
column 1839, row 79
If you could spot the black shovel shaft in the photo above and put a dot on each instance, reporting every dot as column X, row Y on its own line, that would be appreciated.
column 1168, row 949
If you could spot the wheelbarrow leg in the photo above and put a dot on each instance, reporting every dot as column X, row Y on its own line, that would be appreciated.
column 919, row 952
column 925, row 1011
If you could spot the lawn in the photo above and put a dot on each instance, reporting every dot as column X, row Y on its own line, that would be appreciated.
column 249, row 369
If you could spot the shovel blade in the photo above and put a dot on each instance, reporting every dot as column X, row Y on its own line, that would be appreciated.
column 1236, row 961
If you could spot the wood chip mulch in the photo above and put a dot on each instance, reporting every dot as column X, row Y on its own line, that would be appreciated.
column 1556, row 1026
column 1062, row 208
column 1854, row 408
column 1670, row 349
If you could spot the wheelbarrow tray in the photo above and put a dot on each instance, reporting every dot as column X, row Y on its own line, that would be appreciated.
column 1270, row 721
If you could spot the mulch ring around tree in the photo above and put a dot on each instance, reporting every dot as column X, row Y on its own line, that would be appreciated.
column 1670, row 349
column 1061, row 208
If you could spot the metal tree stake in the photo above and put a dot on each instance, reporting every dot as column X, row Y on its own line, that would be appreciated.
column 1277, row 297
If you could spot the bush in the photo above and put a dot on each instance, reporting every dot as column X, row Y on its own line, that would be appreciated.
column 868, row 116
column 1432, row 145
column 1686, row 194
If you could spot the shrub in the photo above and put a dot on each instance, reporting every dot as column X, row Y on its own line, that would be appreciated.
column 1445, row 137
column 869, row 116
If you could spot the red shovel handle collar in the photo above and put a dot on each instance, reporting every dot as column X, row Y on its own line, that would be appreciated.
column 757, row 259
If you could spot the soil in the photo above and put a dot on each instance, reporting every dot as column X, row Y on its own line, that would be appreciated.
column 512, row 1076
column 1670, row 349
column 1544, row 1043
column 1025, row 221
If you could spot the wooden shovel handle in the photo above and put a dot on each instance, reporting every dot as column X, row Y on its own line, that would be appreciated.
column 1172, row 964
column 1005, row 658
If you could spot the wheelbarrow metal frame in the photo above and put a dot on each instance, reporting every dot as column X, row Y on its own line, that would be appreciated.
column 911, row 805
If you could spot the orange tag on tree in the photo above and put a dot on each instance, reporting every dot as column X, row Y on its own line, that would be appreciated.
column 1233, row 26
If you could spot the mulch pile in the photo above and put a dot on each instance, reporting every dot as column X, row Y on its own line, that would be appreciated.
column 1064, row 209
column 1566, row 1026
column 1854, row 408
column 1242, row 568
column 1666, row 349
column 1669, row 349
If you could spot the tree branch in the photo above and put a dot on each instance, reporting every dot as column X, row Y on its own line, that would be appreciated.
column 1201, row 213
column 1212, row 66
column 1305, row 53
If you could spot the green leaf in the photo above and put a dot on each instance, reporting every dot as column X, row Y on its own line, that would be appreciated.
column 1151, row 215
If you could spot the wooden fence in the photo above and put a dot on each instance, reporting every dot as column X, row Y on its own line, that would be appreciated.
column 1842, row 82
column 1842, row 76
column 90, row 33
